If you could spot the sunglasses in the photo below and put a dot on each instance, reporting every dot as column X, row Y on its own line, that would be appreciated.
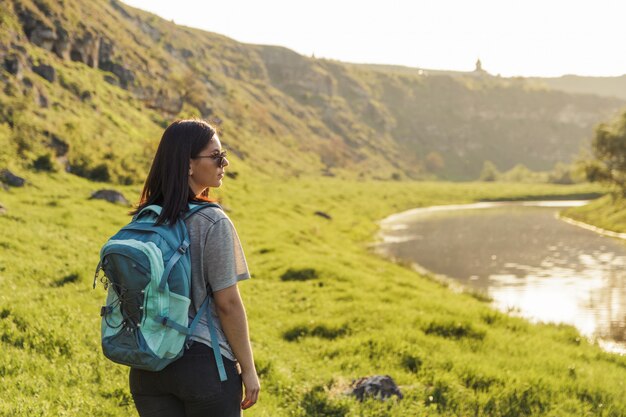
column 220, row 158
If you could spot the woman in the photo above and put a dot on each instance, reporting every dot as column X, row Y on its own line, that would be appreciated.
column 188, row 162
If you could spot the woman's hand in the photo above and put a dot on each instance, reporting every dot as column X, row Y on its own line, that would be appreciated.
column 252, row 388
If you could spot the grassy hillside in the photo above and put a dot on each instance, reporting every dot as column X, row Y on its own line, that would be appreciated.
column 361, row 315
column 91, row 83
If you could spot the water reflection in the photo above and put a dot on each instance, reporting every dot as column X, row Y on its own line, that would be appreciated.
column 524, row 258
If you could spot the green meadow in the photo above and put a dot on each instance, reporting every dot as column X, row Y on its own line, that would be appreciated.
column 323, row 308
column 608, row 212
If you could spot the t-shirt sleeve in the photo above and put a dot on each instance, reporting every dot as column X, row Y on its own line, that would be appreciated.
column 225, row 263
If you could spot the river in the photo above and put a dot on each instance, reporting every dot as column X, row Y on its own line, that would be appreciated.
column 524, row 257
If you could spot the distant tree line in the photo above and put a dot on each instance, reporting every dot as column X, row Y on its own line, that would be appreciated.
column 560, row 174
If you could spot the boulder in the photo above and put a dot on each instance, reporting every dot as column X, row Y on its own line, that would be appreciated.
column 11, row 179
column 377, row 386
column 45, row 71
column 111, row 196
column 13, row 65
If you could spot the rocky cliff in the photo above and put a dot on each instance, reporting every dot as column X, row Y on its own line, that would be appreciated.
column 93, row 83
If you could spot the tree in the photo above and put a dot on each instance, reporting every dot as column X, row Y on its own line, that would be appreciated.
column 489, row 172
column 609, row 150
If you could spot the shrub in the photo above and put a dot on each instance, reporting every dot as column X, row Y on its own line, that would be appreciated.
column 303, row 274
column 454, row 330
column 411, row 363
column 316, row 403
column 44, row 163
column 477, row 381
column 73, row 277
column 320, row 330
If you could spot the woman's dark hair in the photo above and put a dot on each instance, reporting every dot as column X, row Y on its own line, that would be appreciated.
column 167, row 183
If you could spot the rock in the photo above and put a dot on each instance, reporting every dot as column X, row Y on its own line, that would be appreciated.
column 13, row 65
column 111, row 80
column 3, row 209
column 61, row 46
column 45, row 71
column 106, row 63
column 111, row 196
column 105, row 51
column 28, row 21
column 126, row 77
column 324, row 215
column 377, row 386
column 43, row 36
column 11, row 179
column 86, row 50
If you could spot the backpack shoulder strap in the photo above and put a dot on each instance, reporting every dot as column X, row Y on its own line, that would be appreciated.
column 153, row 208
column 193, row 208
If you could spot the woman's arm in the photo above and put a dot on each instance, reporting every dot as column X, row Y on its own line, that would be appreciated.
column 232, row 315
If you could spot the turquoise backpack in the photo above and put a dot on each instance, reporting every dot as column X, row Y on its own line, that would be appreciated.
column 147, row 268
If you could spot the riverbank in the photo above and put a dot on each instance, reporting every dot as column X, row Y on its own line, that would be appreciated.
column 606, row 213
column 522, row 257
column 355, row 315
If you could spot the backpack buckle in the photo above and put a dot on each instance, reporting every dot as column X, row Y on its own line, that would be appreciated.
column 183, row 247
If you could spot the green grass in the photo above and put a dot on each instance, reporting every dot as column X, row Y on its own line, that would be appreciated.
column 355, row 315
column 608, row 212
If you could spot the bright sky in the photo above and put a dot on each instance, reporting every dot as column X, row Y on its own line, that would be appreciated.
column 511, row 37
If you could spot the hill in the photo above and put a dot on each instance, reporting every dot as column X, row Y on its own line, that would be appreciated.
column 601, row 86
column 91, row 84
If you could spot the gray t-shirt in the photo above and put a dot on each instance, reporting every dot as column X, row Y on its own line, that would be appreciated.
column 217, row 262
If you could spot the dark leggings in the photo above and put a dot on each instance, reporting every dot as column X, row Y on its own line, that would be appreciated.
column 188, row 387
